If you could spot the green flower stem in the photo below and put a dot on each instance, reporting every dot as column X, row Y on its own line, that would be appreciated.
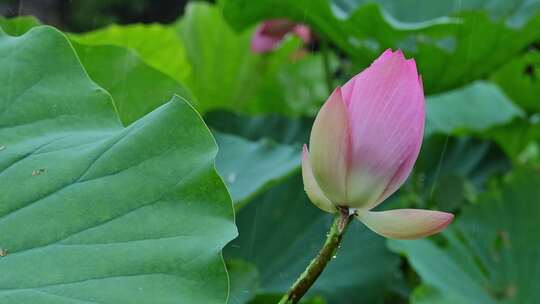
column 317, row 265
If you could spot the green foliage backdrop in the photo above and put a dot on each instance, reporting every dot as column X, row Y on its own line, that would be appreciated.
column 114, row 189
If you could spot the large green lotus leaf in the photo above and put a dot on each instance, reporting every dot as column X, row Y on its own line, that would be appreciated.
column 454, row 42
column 256, row 152
column 473, row 108
column 249, row 168
column 464, row 156
column 158, row 46
column 289, row 81
column 94, row 212
column 451, row 171
column 294, row 84
column 425, row 294
column 18, row 25
column 244, row 281
column 227, row 75
column 281, row 129
column 519, row 79
column 520, row 140
column 281, row 231
column 490, row 254
column 483, row 109
column 136, row 87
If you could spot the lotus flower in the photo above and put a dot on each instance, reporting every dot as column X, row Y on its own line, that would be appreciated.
column 363, row 145
column 270, row 33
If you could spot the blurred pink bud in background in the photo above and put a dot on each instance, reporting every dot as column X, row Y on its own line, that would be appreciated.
column 270, row 33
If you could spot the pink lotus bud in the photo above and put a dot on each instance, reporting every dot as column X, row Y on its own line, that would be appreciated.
column 270, row 33
column 364, row 143
column 303, row 32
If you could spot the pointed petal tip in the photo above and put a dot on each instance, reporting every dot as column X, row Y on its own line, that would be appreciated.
column 387, row 52
column 336, row 100
column 399, row 55
column 448, row 218
column 336, row 91
column 396, row 57
column 411, row 63
column 411, row 66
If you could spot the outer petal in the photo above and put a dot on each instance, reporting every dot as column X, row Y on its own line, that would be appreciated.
column 261, row 43
column 406, row 224
column 311, row 187
column 386, row 108
column 277, row 27
column 329, row 149
column 406, row 166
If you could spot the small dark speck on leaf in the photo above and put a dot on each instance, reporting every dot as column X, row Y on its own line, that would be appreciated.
column 529, row 71
column 3, row 252
column 504, row 293
column 502, row 240
column 510, row 291
column 38, row 171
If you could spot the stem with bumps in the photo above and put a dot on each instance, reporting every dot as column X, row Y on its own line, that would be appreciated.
column 318, row 264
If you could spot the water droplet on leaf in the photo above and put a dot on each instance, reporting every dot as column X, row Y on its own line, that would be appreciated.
column 38, row 171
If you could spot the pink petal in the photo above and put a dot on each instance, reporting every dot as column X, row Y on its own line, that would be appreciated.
column 406, row 224
column 304, row 32
column 385, row 103
column 311, row 187
column 269, row 34
column 277, row 27
column 261, row 43
column 329, row 148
